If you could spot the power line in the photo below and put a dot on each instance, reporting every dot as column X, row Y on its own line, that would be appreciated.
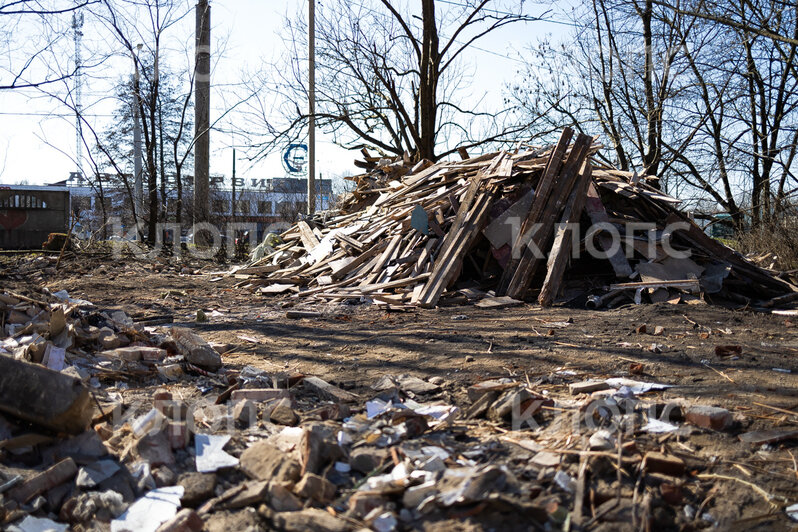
column 54, row 115
column 533, row 18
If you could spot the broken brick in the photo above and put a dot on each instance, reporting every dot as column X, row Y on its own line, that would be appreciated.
column 709, row 417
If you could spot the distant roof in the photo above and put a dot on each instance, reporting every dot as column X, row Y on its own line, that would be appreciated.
column 52, row 188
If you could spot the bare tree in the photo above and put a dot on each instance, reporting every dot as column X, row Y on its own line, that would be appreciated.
column 46, row 22
column 707, row 107
column 389, row 76
column 142, row 42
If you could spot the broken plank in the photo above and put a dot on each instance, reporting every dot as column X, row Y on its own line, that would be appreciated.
column 341, row 270
column 688, row 284
column 55, row 476
column 367, row 288
column 496, row 303
column 307, row 235
column 450, row 259
column 558, row 256
column 541, row 234
column 541, row 198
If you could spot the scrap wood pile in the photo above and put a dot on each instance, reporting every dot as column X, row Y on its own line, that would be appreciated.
column 506, row 223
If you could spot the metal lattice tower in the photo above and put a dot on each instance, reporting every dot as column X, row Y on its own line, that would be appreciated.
column 77, row 29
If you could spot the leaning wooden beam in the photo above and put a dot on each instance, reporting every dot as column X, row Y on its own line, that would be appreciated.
column 698, row 238
column 449, row 263
column 541, row 233
column 471, row 215
column 558, row 256
column 542, row 193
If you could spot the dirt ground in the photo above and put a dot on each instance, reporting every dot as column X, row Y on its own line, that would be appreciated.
column 354, row 345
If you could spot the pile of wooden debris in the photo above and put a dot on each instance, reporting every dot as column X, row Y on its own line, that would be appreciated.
column 510, row 224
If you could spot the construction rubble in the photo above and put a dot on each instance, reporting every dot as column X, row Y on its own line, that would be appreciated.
column 111, row 424
column 504, row 226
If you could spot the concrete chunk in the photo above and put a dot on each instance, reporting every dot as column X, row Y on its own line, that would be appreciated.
column 45, row 397
column 327, row 391
column 186, row 520
column 264, row 461
column 314, row 487
column 196, row 350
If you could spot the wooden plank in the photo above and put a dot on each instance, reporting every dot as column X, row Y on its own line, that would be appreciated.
column 523, row 274
column 424, row 258
column 689, row 284
column 359, row 246
column 365, row 289
column 389, row 253
column 313, row 291
column 307, row 235
column 598, row 215
column 449, row 263
column 258, row 270
column 558, row 256
column 55, row 476
column 542, row 193
column 446, row 263
column 496, row 303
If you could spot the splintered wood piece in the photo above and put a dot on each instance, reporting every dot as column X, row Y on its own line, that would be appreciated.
column 531, row 257
column 563, row 238
column 464, row 230
column 55, row 476
column 342, row 269
column 306, row 234
column 539, row 202
column 389, row 254
column 449, row 263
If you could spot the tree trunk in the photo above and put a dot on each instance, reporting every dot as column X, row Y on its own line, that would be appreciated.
column 102, row 207
column 164, row 213
column 179, row 203
column 428, row 97
column 652, row 155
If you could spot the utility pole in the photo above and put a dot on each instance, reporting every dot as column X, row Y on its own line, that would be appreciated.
column 77, row 28
column 233, row 203
column 202, row 111
column 311, row 106
column 138, row 187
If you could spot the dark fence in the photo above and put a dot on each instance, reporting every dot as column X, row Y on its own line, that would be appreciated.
column 29, row 214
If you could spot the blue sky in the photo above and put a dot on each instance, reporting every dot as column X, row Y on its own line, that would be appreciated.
column 40, row 149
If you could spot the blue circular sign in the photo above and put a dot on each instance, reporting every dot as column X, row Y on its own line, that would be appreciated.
column 295, row 158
